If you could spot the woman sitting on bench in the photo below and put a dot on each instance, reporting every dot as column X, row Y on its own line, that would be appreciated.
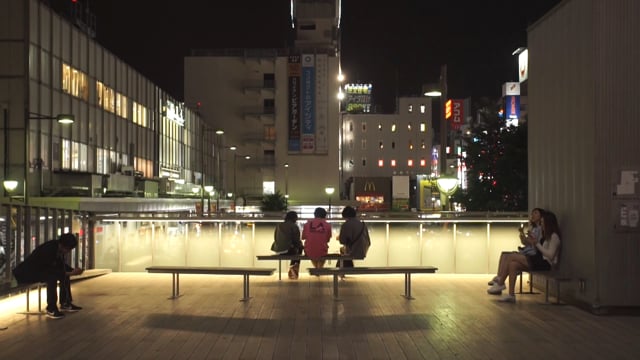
column 546, row 257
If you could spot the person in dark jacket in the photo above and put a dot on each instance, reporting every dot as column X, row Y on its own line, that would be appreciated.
column 354, row 237
column 47, row 264
column 286, row 240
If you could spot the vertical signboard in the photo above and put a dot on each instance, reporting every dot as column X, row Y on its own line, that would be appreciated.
column 308, row 104
column 457, row 114
column 322, row 103
column 293, row 73
column 512, row 107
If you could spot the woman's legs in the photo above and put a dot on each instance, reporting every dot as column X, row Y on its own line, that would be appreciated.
column 514, row 264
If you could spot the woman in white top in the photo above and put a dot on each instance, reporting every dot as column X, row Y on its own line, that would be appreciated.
column 534, row 230
column 547, row 256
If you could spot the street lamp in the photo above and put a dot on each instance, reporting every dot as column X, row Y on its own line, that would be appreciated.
column 329, row 190
column 64, row 119
column 447, row 186
column 209, row 190
column 9, row 186
column 441, row 91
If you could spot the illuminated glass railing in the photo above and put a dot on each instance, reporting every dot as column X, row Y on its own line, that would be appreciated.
column 453, row 246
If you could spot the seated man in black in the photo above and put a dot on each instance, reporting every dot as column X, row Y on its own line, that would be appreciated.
column 47, row 264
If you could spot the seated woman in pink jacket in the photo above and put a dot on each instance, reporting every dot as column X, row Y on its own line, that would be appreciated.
column 316, row 234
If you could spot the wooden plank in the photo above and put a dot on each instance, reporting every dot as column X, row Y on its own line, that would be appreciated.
column 126, row 316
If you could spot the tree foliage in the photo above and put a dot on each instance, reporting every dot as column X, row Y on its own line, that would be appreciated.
column 273, row 202
column 496, row 165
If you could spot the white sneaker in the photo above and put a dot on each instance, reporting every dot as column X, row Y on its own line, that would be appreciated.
column 496, row 289
column 493, row 281
column 508, row 299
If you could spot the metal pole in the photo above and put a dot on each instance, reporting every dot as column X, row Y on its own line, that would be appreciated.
column 202, row 167
column 443, row 120
column 235, row 184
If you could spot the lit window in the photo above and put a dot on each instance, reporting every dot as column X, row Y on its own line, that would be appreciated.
column 410, row 162
column 393, row 128
column 410, row 145
column 393, row 163
column 380, row 163
column 423, row 109
column 410, row 109
column 422, row 145
column 380, row 127
column 423, row 162
column 381, row 145
column 423, row 127
column 409, row 127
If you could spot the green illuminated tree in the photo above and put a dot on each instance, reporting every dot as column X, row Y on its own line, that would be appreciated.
column 496, row 165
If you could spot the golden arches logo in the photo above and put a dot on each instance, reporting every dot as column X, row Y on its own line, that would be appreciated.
column 369, row 186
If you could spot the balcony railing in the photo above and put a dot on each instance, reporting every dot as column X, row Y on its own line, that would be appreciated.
column 453, row 245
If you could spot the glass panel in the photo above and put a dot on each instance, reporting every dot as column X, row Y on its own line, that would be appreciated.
column 203, row 245
column 471, row 255
column 437, row 246
column 404, row 244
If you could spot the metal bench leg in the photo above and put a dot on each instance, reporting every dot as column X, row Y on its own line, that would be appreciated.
column 175, row 285
column 40, row 297
column 245, row 287
column 407, row 286
column 546, row 287
column 279, row 269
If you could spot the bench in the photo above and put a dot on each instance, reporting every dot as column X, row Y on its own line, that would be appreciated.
column 406, row 270
column 8, row 289
column 548, row 275
column 286, row 257
column 175, row 271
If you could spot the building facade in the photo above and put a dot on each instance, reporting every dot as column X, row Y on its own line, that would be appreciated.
column 129, row 137
column 387, row 159
column 583, row 143
column 278, row 109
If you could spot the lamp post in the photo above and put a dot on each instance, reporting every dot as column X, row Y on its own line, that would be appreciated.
column 235, row 177
column 329, row 190
column 64, row 119
column 286, row 184
column 217, row 153
column 208, row 189
column 446, row 185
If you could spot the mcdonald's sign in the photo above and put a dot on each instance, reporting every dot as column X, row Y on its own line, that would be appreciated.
column 369, row 186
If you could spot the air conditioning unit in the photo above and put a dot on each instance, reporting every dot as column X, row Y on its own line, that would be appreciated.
column 127, row 170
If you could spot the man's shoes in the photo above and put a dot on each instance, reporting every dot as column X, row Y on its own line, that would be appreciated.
column 55, row 314
column 493, row 281
column 293, row 273
column 508, row 299
column 70, row 307
column 496, row 289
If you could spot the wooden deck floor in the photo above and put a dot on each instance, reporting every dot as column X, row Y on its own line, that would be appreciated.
column 128, row 316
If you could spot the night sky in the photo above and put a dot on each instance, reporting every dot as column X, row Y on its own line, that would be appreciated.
column 396, row 45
